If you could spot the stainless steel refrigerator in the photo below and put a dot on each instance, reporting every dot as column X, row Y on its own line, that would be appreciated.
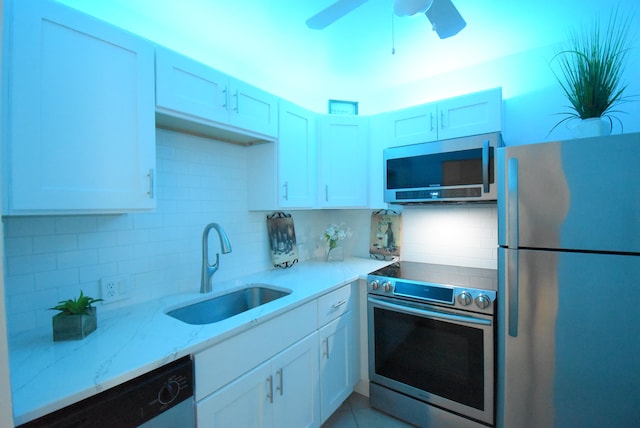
column 569, row 286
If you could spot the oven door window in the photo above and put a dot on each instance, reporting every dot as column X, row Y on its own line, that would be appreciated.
column 439, row 357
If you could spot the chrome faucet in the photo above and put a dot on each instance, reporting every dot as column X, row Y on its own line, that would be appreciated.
column 207, row 269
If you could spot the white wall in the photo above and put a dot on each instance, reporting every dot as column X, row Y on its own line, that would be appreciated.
column 6, row 409
column 532, row 96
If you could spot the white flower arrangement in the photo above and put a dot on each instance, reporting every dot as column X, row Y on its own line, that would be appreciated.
column 334, row 233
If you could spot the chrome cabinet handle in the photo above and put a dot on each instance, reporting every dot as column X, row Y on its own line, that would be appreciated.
column 280, row 386
column 237, row 107
column 270, row 392
column 326, row 193
column 431, row 121
column 286, row 191
column 225, row 105
column 340, row 303
column 326, row 347
column 150, row 175
column 441, row 119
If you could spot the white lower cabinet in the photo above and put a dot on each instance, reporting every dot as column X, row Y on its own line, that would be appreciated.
column 285, row 372
column 282, row 392
column 338, row 349
column 335, row 364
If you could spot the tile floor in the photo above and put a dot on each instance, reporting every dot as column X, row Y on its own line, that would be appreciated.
column 356, row 413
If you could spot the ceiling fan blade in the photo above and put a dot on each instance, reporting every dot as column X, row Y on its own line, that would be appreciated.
column 332, row 13
column 445, row 18
column 410, row 7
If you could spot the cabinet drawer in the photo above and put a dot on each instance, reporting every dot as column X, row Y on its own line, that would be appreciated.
column 334, row 304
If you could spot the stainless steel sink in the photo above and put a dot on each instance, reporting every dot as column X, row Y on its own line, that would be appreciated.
column 227, row 305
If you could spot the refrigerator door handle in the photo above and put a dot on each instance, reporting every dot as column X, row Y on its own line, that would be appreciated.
column 513, row 227
column 485, row 166
column 513, row 240
column 513, row 266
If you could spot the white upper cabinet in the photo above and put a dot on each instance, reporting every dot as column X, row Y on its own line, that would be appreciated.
column 472, row 114
column 79, row 126
column 412, row 125
column 343, row 159
column 284, row 175
column 194, row 97
column 297, row 164
column 189, row 88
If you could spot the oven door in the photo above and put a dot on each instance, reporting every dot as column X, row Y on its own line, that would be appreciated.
column 441, row 357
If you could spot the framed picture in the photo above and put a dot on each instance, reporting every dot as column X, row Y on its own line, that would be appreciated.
column 343, row 107
column 282, row 239
column 386, row 235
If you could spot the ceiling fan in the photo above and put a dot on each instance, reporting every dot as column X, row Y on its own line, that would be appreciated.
column 443, row 15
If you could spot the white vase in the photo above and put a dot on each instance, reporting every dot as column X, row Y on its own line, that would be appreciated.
column 592, row 127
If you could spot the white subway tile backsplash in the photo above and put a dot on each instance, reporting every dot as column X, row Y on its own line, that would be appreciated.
column 30, row 226
column 29, row 264
column 57, row 278
column 53, row 243
column 76, row 224
column 71, row 259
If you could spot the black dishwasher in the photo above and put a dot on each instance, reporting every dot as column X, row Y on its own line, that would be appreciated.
column 162, row 398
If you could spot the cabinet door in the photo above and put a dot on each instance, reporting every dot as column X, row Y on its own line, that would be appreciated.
column 252, row 109
column 380, row 132
column 343, row 159
column 188, row 88
column 297, row 157
column 412, row 125
column 82, row 127
column 295, row 385
column 472, row 114
column 336, row 379
column 245, row 402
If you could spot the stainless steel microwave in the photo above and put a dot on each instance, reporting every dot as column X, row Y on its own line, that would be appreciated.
column 456, row 170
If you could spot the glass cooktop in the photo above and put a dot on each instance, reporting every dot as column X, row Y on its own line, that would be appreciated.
column 460, row 276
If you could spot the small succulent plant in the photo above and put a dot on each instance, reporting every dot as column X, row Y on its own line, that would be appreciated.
column 79, row 306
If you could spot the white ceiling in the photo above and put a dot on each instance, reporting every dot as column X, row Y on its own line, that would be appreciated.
column 267, row 43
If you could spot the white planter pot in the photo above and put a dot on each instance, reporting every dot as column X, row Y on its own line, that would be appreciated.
column 593, row 127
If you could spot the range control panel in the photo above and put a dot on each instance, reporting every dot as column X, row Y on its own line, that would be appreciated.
column 466, row 298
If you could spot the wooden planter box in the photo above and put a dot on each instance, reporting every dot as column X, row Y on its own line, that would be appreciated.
column 73, row 327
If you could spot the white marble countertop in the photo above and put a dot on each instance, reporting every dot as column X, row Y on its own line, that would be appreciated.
column 133, row 340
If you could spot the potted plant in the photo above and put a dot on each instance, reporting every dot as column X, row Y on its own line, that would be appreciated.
column 590, row 75
column 76, row 320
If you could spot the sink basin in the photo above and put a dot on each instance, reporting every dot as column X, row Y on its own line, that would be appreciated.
column 227, row 305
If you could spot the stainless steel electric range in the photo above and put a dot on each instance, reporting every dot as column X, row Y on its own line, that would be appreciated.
column 432, row 343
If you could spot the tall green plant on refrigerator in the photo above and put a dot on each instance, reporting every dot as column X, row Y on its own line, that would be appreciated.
column 590, row 72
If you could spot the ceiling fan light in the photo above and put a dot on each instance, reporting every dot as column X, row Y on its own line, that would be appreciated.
column 411, row 7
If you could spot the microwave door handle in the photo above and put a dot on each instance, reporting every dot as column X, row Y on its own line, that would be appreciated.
column 485, row 166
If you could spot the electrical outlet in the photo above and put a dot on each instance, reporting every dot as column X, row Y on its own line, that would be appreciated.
column 114, row 288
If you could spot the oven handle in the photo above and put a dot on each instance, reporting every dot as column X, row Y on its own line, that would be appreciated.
column 427, row 313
